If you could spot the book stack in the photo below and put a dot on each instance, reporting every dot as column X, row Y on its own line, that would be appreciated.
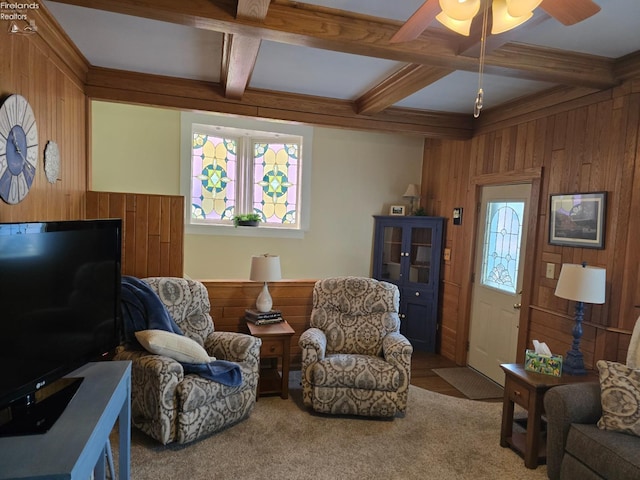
column 263, row 318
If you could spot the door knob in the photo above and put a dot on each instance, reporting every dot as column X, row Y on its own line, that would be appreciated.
column 517, row 306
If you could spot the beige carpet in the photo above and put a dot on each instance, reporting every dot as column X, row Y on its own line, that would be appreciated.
column 440, row 437
column 473, row 384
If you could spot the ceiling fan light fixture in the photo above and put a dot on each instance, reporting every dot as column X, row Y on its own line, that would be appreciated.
column 463, row 27
column 502, row 20
column 519, row 8
column 460, row 10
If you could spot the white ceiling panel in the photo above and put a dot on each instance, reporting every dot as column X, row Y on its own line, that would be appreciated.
column 457, row 92
column 142, row 45
column 311, row 71
column 613, row 32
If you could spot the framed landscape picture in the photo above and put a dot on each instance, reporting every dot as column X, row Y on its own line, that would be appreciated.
column 577, row 219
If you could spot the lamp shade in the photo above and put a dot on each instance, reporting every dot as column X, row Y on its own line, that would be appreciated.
column 460, row 10
column 412, row 191
column 463, row 27
column 265, row 268
column 503, row 20
column 582, row 283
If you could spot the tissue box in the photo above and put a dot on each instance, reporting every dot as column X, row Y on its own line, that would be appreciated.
column 548, row 365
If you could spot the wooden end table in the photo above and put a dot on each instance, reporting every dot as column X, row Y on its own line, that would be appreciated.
column 276, row 348
column 527, row 389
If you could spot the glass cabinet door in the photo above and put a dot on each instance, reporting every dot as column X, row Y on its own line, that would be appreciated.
column 392, row 254
column 420, row 255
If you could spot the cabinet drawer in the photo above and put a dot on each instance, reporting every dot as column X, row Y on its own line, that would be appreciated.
column 519, row 395
column 271, row 348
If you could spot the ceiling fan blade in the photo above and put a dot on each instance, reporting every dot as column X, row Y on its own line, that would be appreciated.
column 570, row 12
column 418, row 22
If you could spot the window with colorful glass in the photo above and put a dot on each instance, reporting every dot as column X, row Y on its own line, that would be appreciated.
column 501, row 256
column 236, row 171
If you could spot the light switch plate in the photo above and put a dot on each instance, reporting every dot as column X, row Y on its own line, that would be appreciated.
column 551, row 270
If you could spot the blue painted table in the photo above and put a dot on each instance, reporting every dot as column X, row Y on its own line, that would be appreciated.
column 77, row 443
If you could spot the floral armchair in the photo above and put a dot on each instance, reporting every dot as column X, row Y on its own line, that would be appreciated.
column 354, row 359
column 172, row 406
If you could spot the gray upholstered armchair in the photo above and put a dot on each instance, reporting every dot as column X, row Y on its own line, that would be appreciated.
column 172, row 406
column 354, row 359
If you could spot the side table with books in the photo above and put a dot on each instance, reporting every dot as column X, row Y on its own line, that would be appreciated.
column 263, row 318
column 274, row 354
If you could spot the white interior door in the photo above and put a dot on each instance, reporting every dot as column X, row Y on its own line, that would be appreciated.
column 496, row 291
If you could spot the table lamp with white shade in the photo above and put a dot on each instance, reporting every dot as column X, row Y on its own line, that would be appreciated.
column 581, row 284
column 265, row 268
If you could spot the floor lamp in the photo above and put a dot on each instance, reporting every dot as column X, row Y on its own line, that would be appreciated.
column 581, row 284
column 265, row 268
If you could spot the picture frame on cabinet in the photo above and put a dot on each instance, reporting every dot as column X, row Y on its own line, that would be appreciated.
column 577, row 219
column 398, row 210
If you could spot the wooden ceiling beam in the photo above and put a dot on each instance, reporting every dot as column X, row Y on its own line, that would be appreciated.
column 238, row 61
column 336, row 30
column 240, row 52
column 171, row 92
column 408, row 80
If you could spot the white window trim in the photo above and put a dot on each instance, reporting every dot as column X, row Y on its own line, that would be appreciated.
column 187, row 119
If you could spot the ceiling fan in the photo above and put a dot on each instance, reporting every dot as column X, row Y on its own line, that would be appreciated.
column 457, row 15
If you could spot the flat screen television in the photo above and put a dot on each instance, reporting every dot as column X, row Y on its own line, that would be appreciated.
column 59, row 309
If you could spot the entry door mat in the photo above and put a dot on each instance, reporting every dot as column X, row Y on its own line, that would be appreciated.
column 471, row 383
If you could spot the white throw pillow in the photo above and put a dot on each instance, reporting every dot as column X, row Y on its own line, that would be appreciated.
column 172, row 345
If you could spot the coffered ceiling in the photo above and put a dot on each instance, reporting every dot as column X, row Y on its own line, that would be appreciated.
column 340, row 50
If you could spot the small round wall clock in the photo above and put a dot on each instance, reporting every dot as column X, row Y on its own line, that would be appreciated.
column 18, row 148
column 52, row 161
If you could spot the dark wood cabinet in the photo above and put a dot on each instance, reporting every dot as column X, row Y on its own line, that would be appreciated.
column 407, row 252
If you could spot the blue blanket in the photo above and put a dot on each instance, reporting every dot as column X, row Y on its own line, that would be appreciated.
column 142, row 309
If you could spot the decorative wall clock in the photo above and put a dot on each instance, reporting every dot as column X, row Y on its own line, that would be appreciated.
column 18, row 148
column 52, row 161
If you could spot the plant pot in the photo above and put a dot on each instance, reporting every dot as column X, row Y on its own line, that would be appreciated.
column 248, row 223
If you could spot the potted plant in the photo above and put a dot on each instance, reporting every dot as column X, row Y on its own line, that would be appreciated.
column 246, row 220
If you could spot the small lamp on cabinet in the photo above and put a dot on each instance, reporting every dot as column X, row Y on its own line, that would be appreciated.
column 413, row 193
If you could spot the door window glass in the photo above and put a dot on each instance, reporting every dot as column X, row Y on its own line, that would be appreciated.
column 501, row 253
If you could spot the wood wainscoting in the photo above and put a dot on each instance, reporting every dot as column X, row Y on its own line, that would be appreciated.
column 152, row 230
column 230, row 298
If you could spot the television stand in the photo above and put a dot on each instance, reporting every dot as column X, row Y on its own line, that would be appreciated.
column 77, row 444
column 33, row 418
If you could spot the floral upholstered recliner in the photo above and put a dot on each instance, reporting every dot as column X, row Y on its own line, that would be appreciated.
column 354, row 359
column 172, row 406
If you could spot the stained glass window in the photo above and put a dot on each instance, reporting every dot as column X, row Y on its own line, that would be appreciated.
column 275, row 168
column 234, row 172
column 503, row 232
column 213, row 177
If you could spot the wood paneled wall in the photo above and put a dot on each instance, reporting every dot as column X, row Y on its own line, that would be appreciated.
column 229, row 299
column 586, row 146
column 52, row 80
column 152, row 230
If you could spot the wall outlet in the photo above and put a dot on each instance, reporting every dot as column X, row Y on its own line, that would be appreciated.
column 551, row 270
